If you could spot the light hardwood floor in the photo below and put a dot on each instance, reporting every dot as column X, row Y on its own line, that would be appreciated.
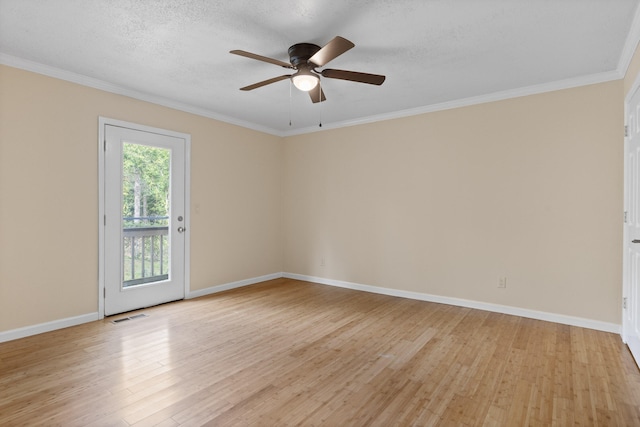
column 286, row 352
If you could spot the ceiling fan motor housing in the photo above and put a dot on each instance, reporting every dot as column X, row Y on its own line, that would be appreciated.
column 300, row 53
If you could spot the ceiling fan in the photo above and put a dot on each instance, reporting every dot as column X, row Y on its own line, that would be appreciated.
column 305, row 58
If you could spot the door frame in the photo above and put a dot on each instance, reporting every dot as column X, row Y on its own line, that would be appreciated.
column 625, row 233
column 102, row 122
column 626, row 302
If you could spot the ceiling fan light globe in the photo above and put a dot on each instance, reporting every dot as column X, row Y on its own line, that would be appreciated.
column 305, row 82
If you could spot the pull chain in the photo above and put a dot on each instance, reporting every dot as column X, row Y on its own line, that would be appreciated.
column 320, row 95
column 290, row 105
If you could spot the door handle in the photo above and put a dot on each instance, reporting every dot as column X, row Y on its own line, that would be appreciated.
column 181, row 230
column 635, row 241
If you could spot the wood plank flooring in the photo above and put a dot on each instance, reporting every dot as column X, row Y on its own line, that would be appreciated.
column 286, row 352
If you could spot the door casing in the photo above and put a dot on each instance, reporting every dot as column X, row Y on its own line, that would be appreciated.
column 631, row 299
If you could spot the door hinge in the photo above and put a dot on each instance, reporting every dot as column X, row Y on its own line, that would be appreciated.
column 105, row 220
column 104, row 145
column 626, row 131
column 626, row 216
column 624, row 303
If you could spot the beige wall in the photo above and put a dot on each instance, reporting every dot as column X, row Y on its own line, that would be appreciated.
column 49, row 196
column 442, row 203
column 448, row 202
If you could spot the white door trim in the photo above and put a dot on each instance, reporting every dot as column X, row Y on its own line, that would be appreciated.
column 625, row 233
column 627, row 294
column 102, row 122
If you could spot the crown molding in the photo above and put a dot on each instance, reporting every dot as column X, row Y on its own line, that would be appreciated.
column 466, row 102
column 46, row 70
column 630, row 45
column 58, row 73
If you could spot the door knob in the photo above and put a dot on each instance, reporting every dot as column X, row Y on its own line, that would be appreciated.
column 181, row 229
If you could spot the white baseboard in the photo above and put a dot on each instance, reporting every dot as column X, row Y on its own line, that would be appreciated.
column 27, row 331
column 232, row 285
column 497, row 308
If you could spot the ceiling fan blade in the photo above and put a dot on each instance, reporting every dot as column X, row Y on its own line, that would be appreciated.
column 372, row 79
column 261, row 58
column 317, row 94
column 265, row 82
column 331, row 50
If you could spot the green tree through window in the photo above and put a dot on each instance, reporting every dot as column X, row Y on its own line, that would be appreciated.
column 145, row 189
column 145, row 212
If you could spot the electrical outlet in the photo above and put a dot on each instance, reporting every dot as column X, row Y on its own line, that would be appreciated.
column 322, row 264
column 502, row 283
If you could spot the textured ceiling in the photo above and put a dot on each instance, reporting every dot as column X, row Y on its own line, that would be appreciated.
column 433, row 52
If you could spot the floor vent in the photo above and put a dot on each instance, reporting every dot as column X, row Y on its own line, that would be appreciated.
column 124, row 319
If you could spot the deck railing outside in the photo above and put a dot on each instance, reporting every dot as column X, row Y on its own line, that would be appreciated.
column 145, row 249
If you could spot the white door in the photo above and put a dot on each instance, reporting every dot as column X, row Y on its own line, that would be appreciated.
column 144, row 224
column 631, row 292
